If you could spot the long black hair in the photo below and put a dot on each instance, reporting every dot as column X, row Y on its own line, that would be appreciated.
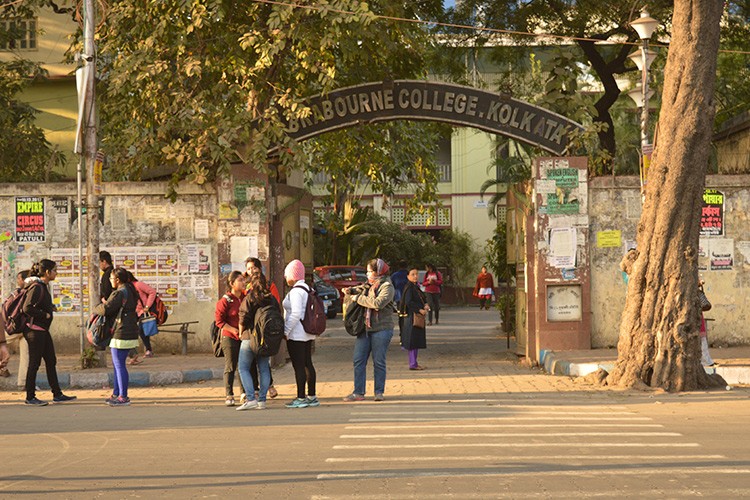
column 41, row 267
column 258, row 288
column 126, row 277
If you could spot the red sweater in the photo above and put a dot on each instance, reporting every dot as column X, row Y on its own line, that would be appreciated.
column 228, row 313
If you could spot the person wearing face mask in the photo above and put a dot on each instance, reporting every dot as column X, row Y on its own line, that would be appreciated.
column 377, row 297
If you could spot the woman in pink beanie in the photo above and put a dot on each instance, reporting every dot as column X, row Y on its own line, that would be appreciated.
column 298, row 341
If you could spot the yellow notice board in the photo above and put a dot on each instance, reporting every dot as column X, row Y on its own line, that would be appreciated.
column 609, row 239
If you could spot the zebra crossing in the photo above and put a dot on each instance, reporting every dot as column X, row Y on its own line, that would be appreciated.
column 473, row 440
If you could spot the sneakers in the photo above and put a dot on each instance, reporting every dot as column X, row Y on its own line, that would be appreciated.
column 379, row 397
column 229, row 401
column 36, row 402
column 272, row 392
column 354, row 397
column 298, row 403
column 120, row 401
column 110, row 399
column 312, row 401
column 4, row 372
column 261, row 405
column 248, row 405
column 62, row 398
column 243, row 398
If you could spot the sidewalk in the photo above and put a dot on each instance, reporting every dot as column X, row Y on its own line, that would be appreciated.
column 733, row 363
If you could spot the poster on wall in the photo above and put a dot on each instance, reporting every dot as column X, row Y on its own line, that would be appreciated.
column 29, row 219
column 565, row 198
column 712, row 213
column 721, row 254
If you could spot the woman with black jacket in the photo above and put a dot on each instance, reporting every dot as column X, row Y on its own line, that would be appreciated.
column 119, row 310
column 38, row 307
column 413, row 301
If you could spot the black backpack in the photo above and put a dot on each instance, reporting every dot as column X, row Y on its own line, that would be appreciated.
column 268, row 330
column 314, row 321
column 216, row 340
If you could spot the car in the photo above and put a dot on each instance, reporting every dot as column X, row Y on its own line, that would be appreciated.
column 329, row 294
column 342, row 277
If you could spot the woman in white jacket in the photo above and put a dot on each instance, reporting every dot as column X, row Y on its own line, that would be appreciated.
column 298, row 341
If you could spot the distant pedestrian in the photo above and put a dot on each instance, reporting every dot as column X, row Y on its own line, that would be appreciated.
column 145, row 299
column 23, row 346
column 120, row 311
column 298, row 341
column 258, row 296
column 399, row 280
column 377, row 297
column 105, row 285
column 413, row 304
column 484, row 289
column 433, row 287
column 227, row 318
column 38, row 306
column 705, row 305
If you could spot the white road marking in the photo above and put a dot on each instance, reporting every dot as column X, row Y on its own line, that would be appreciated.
column 511, row 445
column 491, row 412
column 495, row 426
column 507, row 458
column 510, row 435
column 509, row 418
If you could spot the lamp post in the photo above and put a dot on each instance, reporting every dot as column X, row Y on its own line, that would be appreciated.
column 645, row 27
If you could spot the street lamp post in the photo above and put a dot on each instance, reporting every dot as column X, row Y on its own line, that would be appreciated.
column 645, row 27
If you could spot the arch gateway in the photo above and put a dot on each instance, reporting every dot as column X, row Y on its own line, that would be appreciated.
column 553, row 306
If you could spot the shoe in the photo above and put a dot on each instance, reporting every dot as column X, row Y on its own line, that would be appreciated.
column 417, row 368
column 272, row 392
column 110, row 399
column 429, row 323
column 261, row 405
column 243, row 398
column 354, row 397
column 4, row 372
column 229, row 401
column 379, row 397
column 62, row 398
column 121, row 401
column 248, row 405
column 36, row 402
column 148, row 354
column 298, row 403
column 312, row 401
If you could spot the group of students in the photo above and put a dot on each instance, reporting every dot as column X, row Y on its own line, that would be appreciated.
column 248, row 292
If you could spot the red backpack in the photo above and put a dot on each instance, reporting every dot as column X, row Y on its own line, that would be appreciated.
column 314, row 321
column 159, row 310
column 14, row 319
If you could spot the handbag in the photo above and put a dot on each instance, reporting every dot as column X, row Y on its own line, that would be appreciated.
column 148, row 325
column 354, row 319
column 418, row 320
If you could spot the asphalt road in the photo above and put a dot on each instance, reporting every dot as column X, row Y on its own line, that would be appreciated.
column 474, row 425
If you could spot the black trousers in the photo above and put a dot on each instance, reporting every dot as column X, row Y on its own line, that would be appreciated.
column 41, row 348
column 231, row 349
column 300, row 353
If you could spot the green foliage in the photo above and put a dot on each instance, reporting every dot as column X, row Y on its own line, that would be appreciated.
column 194, row 86
column 496, row 250
column 89, row 358
column 457, row 252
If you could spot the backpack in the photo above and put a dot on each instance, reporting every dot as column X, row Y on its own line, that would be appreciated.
column 268, row 330
column 98, row 332
column 159, row 310
column 216, row 340
column 354, row 319
column 14, row 318
column 314, row 321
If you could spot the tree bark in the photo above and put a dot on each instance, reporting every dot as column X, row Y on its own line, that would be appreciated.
column 659, row 343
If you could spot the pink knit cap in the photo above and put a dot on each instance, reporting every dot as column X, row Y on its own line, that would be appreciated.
column 295, row 270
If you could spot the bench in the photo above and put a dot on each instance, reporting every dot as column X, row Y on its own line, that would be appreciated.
column 182, row 328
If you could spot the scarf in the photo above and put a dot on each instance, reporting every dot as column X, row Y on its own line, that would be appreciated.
column 381, row 269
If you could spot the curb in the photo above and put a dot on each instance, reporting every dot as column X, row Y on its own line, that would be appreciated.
column 554, row 364
column 82, row 380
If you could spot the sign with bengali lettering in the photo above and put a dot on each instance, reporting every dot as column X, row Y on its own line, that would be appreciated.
column 712, row 213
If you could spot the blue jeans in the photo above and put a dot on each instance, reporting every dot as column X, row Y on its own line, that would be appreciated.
column 376, row 343
column 121, row 379
column 264, row 372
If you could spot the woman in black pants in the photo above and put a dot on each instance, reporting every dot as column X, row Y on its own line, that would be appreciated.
column 38, row 307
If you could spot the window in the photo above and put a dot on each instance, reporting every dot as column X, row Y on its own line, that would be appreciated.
column 443, row 159
column 20, row 34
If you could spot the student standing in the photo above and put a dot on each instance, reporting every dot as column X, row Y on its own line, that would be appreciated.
column 38, row 306
column 377, row 297
column 120, row 311
column 413, row 301
column 253, row 267
column 298, row 341
column 433, row 287
column 227, row 318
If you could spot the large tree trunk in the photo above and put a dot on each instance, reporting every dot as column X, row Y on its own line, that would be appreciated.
column 659, row 344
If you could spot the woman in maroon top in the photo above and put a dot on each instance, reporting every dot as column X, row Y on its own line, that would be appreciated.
column 433, row 288
column 227, row 317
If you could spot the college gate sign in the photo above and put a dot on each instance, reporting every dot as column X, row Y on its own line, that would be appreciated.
column 435, row 101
